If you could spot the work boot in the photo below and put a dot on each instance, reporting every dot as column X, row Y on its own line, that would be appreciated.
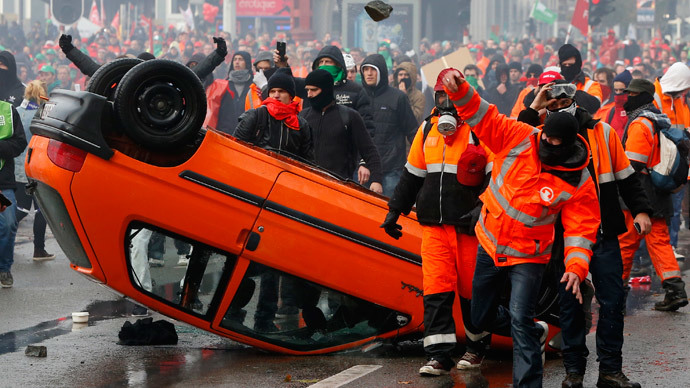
column 615, row 380
column 675, row 297
column 572, row 380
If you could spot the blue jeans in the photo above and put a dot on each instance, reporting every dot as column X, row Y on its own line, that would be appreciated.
column 8, row 231
column 390, row 180
column 606, row 268
column 518, row 320
column 673, row 229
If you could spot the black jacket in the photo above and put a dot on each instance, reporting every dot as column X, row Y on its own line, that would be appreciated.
column 393, row 117
column 337, row 144
column 504, row 102
column 258, row 127
column 82, row 61
column 11, row 148
column 11, row 88
column 629, row 189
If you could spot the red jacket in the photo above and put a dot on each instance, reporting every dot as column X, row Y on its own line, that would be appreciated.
column 524, row 199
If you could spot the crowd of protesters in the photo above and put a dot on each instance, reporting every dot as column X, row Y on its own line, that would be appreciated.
column 607, row 94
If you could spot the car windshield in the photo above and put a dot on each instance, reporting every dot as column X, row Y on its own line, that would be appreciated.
column 297, row 314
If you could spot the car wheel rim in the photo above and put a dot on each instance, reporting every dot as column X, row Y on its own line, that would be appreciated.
column 161, row 105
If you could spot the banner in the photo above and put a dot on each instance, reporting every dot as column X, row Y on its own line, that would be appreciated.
column 581, row 16
column 645, row 13
column 543, row 14
column 266, row 8
column 94, row 16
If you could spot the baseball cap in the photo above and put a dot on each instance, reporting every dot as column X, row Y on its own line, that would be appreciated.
column 471, row 166
column 46, row 69
column 549, row 76
column 637, row 60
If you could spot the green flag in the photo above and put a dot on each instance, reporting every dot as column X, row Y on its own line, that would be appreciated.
column 543, row 14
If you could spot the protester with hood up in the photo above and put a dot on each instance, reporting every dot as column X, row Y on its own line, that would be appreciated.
column 570, row 61
column 615, row 114
column 408, row 71
column 11, row 88
column 393, row 118
column 642, row 145
column 339, row 132
column 534, row 71
column 490, row 74
column 503, row 94
column 614, row 177
column 669, row 97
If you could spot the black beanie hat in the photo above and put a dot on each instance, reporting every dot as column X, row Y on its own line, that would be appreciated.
column 568, row 51
column 283, row 79
column 322, row 79
column 563, row 126
column 535, row 69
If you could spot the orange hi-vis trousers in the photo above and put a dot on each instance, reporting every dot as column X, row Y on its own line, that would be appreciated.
column 448, row 260
column 658, row 245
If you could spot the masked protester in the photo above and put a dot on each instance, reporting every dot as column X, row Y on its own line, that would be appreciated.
column 11, row 88
column 613, row 177
column 534, row 71
column 570, row 61
column 615, row 114
column 444, row 174
column 641, row 143
column 537, row 176
column 339, row 132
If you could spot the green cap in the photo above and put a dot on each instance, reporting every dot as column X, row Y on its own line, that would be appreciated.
column 50, row 52
column 46, row 69
column 640, row 86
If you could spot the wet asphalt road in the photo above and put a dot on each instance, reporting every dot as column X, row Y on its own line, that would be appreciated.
column 37, row 310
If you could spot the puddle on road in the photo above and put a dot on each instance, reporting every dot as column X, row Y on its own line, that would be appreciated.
column 98, row 311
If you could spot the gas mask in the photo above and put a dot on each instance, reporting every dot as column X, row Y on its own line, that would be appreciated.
column 447, row 122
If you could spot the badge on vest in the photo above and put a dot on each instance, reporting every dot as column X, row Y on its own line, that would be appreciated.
column 546, row 194
column 2, row 120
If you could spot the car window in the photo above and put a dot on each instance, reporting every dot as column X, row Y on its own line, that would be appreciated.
column 297, row 314
column 181, row 272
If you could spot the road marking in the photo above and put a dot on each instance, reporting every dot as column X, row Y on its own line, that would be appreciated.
column 346, row 376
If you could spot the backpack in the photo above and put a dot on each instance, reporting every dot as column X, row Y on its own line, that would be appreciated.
column 671, row 173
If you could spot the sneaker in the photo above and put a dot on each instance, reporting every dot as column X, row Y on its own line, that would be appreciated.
column 679, row 256
column 183, row 261
column 615, row 380
column 6, row 280
column 433, row 368
column 542, row 340
column 470, row 360
column 572, row 380
column 140, row 311
column 156, row 262
column 42, row 255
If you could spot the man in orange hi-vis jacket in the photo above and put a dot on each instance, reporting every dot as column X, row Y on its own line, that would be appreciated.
column 444, row 175
column 536, row 175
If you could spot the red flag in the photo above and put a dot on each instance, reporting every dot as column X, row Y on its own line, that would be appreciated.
column 116, row 23
column 581, row 16
column 145, row 22
column 94, row 16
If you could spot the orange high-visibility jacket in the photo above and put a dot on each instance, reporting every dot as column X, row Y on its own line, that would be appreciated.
column 642, row 141
column 676, row 109
column 253, row 99
column 519, row 103
column 523, row 200
column 591, row 87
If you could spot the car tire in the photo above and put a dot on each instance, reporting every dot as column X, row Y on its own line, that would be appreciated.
column 105, row 80
column 160, row 104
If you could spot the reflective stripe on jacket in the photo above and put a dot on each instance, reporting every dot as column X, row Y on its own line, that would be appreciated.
column 610, row 161
column 641, row 142
column 523, row 199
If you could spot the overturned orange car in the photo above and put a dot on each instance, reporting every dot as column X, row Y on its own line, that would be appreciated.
column 243, row 242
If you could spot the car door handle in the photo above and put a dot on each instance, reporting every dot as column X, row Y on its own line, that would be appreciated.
column 253, row 241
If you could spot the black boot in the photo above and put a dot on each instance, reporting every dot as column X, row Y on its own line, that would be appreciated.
column 573, row 380
column 615, row 380
column 675, row 297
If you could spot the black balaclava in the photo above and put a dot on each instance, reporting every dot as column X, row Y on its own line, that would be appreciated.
column 323, row 80
column 563, row 126
column 568, row 51
column 635, row 102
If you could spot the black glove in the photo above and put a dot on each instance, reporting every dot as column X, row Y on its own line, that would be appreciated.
column 390, row 226
column 221, row 47
column 65, row 43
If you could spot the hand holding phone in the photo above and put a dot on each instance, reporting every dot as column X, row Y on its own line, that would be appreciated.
column 4, row 201
column 280, row 46
column 637, row 228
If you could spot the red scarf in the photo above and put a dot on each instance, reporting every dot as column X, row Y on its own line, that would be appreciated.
column 280, row 111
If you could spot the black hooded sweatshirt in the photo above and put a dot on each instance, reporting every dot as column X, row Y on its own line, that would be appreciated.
column 504, row 102
column 11, row 88
column 393, row 117
column 347, row 93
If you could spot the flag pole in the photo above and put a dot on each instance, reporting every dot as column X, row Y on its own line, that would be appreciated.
column 567, row 36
